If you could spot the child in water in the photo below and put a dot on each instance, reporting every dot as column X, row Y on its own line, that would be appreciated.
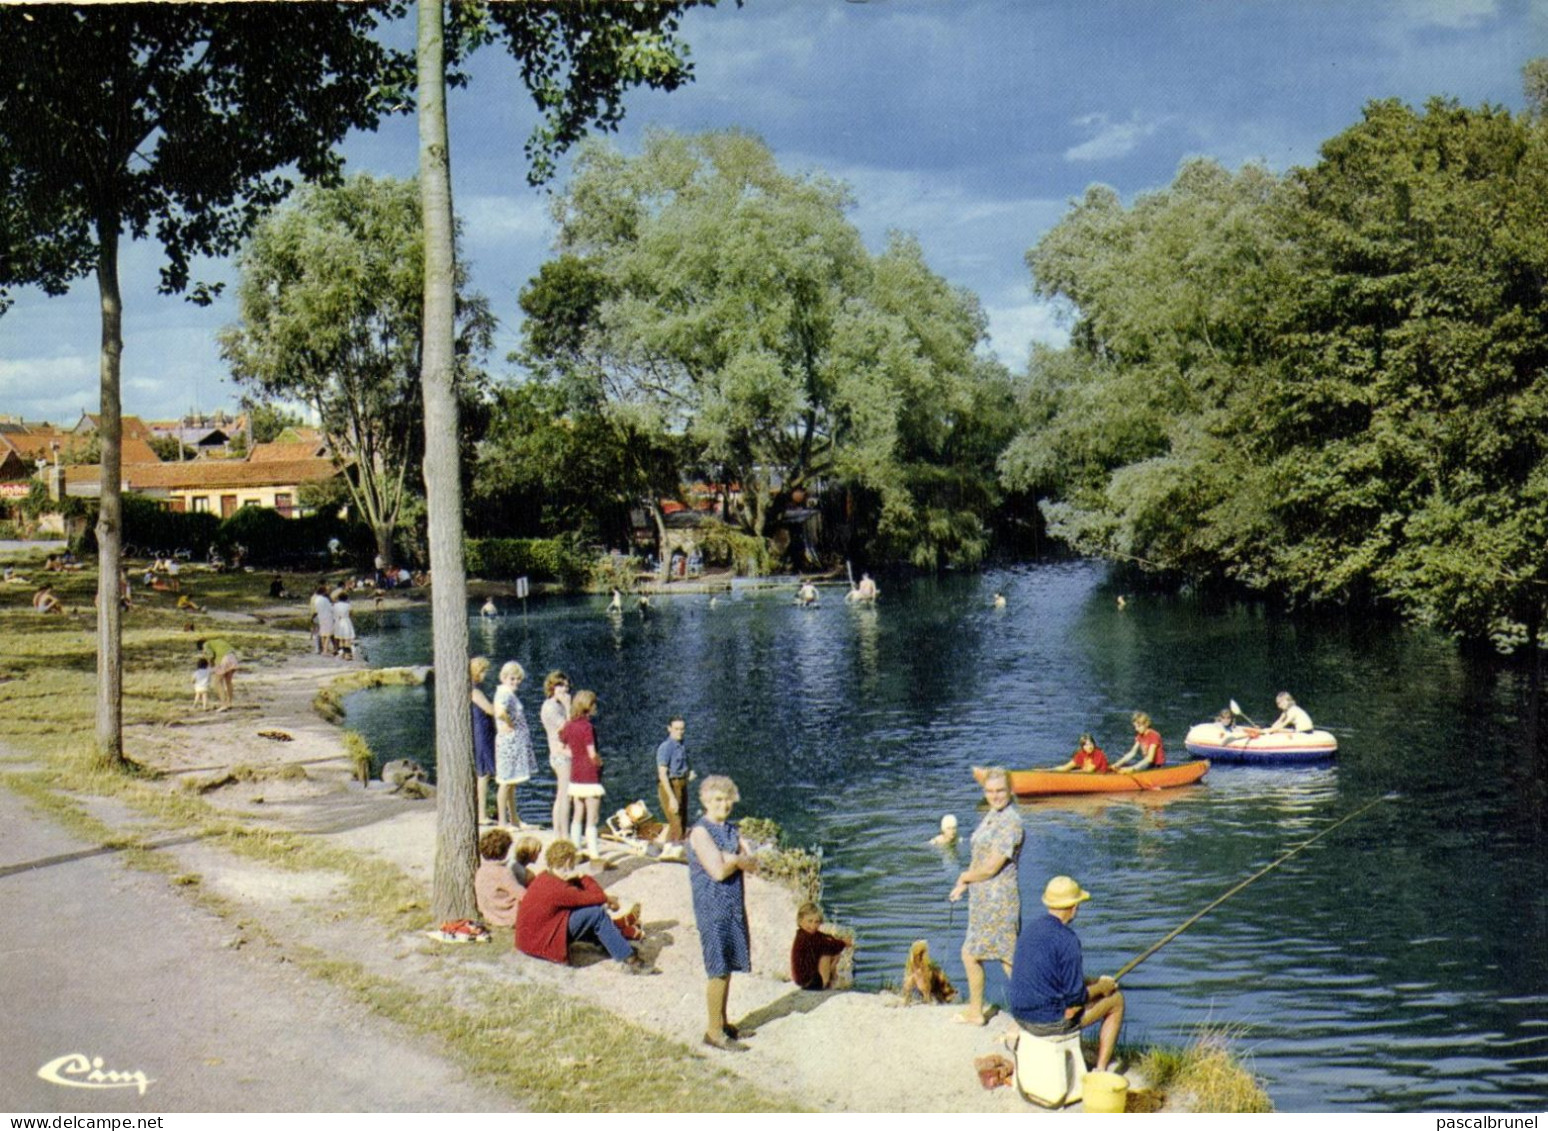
column 948, row 834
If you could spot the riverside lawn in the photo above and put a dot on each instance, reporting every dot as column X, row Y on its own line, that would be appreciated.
column 314, row 871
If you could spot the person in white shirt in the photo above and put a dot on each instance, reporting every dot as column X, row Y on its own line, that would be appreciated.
column 1291, row 717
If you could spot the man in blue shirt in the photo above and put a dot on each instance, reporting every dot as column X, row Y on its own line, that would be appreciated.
column 1049, row 993
column 672, row 778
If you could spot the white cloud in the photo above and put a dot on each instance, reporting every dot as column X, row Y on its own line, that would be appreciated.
column 1110, row 139
column 56, row 389
column 1447, row 13
column 1014, row 328
column 501, row 219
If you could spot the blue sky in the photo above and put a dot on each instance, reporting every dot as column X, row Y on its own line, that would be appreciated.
column 970, row 123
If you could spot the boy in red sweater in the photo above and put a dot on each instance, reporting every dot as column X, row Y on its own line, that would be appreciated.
column 814, row 954
column 561, row 906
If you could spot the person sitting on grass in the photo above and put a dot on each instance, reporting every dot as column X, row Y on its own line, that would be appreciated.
column 1087, row 759
column 814, row 953
column 561, row 906
column 44, row 601
column 498, row 887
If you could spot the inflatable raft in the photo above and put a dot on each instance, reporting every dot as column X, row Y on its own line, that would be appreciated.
column 1045, row 783
column 1251, row 745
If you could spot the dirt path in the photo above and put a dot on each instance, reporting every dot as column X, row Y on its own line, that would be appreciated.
column 101, row 960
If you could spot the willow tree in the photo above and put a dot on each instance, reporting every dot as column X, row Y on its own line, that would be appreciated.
column 576, row 59
column 182, row 122
column 331, row 295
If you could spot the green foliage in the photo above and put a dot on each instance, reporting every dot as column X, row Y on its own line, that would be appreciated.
column 331, row 299
column 182, row 118
column 269, row 420
column 1332, row 385
column 550, row 462
column 609, row 572
column 269, row 538
column 171, row 449
column 578, row 60
column 731, row 309
column 543, row 559
column 746, row 554
column 151, row 526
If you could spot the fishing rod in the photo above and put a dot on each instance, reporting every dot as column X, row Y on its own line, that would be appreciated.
column 1255, row 876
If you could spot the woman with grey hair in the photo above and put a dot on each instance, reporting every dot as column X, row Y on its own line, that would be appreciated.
column 994, row 899
column 717, row 858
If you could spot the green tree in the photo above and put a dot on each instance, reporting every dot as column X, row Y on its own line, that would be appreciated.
column 170, row 448
column 1405, row 424
column 721, row 299
column 577, row 59
column 1129, row 433
column 180, row 120
column 268, row 420
column 331, row 301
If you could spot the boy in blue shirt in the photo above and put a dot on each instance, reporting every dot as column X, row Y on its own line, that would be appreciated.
column 672, row 779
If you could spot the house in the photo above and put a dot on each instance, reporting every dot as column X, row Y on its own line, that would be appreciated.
column 207, row 435
column 215, row 486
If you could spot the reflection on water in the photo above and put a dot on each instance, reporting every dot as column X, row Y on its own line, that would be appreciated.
column 1398, row 964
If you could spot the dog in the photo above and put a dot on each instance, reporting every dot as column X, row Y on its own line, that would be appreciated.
column 922, row 975
column 408, row 778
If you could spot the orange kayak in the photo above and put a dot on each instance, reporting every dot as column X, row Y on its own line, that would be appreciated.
column 1033, row 783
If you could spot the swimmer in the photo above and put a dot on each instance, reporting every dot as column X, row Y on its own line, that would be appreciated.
column 808, row 594
column 999, row 600
column 948, row 833
column 616, row 604
column 490, row 609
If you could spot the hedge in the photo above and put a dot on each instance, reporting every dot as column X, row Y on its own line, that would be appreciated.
column 542, row 559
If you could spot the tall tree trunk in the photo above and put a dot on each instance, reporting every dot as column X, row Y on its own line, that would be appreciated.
column 110, row 668
column 456, row 806
column 384, row 534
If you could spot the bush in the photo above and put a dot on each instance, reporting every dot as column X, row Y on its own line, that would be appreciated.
column 153, row 528
column 545, row 559
column 747, row 554
column 275, row 541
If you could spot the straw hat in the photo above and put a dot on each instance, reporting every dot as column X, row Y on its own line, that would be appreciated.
column 1063, row 892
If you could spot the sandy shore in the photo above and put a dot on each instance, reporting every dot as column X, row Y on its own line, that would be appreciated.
column 836, row 1051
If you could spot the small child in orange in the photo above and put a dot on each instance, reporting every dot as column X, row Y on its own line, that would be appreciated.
column 922, row 975
column 814, row 954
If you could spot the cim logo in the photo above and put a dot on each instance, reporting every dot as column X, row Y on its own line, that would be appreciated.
column 76, row 1070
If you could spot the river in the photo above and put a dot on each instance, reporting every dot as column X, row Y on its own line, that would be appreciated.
column 1400, row 964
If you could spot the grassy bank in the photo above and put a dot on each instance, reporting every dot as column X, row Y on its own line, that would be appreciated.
column 47, row 694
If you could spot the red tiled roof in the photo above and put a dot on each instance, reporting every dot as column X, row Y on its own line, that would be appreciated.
column 281, row 451
column 212, row 474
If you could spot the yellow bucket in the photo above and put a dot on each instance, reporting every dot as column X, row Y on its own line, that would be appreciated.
column 1105, row 1093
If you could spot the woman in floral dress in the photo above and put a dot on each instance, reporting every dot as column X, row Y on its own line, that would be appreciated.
column 994, row 899
column 513, row 745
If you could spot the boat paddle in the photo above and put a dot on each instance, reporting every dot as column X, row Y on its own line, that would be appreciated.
column 1235, row 710
column 1132, row 963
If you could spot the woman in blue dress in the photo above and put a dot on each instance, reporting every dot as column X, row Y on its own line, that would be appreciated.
column 717, row 858
column 482, row 711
